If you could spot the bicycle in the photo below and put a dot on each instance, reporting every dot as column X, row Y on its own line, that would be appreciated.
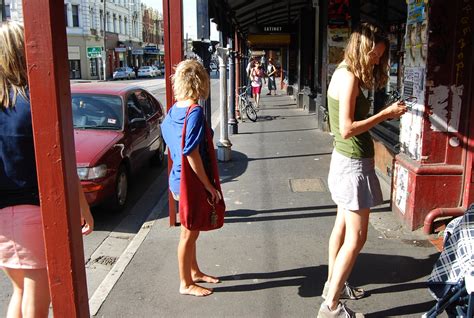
column 246, row 106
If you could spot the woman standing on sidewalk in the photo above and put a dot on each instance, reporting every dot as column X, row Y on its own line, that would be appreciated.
column 190, row 83
column 256, row 77
column 352, row 180
column 271, row 72
column 22, row 252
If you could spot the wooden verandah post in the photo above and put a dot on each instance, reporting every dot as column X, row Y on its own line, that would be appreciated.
column 173, row 28
column 48, row 72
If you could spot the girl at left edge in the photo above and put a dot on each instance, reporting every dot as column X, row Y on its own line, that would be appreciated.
column 22, row 250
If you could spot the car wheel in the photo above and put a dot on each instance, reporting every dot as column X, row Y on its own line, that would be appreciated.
column 159, row 156
column 121, row 190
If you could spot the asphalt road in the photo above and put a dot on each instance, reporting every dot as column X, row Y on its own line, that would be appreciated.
column 113, row 231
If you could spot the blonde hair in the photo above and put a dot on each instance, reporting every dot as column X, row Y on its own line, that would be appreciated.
column 190, row 81
column 13, row 73
column 363, row 40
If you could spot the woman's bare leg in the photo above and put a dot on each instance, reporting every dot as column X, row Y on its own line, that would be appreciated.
column 355, row 236
column 196, row 273
column 186, row 249
column 16, row 277
column 31, row 296
column 336, row 239
column 36, row 297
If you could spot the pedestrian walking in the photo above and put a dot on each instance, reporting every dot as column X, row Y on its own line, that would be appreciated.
column 190, row 83
column 257, row 77
column 271, row 72
column 352, row 180
column 22, row 251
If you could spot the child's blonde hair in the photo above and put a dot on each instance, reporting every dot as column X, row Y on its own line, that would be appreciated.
column 190, row 81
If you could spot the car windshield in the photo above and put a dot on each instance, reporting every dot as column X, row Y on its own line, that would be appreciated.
column 120, row 69
column 145, row 67
column 92, row 111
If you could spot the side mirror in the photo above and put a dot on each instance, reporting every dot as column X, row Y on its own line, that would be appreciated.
column 138, row 123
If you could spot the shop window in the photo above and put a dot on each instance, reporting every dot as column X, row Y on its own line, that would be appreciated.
column 94, row 66
column 74, row 69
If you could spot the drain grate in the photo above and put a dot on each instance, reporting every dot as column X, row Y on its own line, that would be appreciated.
column 106, row 260
column 307, row 185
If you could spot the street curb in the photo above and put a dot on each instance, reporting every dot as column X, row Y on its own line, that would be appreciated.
column 105, row 287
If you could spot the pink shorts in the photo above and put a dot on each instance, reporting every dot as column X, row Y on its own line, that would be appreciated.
column 256, row 89
column 21, row 237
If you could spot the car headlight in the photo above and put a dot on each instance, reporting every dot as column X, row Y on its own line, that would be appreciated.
column 90, row 173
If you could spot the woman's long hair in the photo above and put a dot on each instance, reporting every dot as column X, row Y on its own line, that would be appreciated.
column 362, row 40
column 13, row 73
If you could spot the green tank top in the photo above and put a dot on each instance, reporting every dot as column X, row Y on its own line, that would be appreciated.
column 360, row 146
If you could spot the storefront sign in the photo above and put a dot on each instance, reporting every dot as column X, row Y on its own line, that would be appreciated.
column 74, row 52
column 137, row 52
column 259, row 29
column 151, row 50
column 94, row 52
column 121, row 49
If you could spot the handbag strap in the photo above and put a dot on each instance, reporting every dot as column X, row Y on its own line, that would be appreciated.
column 190, row 108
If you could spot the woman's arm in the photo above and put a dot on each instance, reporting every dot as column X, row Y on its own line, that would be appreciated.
column 348, row 92
column 86, row 217
column 196, row 164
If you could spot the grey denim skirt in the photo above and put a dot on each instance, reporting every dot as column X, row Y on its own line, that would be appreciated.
column 353, row 182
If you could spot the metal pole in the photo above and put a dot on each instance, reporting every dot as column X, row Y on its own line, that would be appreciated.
column 233, row 129
column 104, row 55
column 224, row 145
column 204, row 35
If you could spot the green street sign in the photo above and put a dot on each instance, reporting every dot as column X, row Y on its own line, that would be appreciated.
column 94, row 52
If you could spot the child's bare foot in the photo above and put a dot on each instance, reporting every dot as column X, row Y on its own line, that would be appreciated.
column 195, row 290
column 203, row 278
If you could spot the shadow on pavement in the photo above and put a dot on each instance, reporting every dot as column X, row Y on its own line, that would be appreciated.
column 245, row 215
column 276, row 131
column 310, row 281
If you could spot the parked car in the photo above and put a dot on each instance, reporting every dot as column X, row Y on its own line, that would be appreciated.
column 124, row 73
column 116, row 132
column 146, row 71
column 157, row 70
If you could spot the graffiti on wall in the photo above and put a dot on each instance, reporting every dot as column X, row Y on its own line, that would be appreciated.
column 401, row 188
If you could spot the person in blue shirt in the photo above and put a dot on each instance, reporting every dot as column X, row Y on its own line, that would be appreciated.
column 22, row 250
column 190, row 83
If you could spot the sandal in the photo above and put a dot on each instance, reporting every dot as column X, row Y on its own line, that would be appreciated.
column 347, row 292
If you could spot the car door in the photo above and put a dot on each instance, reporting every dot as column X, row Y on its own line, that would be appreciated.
column 137, row 133
column 154, row 116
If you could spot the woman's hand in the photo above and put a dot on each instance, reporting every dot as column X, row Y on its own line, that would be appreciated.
column 396, row 110
column 215, row 194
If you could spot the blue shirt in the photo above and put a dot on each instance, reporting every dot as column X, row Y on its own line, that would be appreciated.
column 172, row 130
column 18, row 181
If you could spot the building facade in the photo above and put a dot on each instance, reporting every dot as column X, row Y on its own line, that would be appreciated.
column 86, row 23
column 152, row 36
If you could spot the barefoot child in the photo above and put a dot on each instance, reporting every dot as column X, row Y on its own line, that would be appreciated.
column 190, row 83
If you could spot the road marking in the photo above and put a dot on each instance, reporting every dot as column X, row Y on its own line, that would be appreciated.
column 106, row 286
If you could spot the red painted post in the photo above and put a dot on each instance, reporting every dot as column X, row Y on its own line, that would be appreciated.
column 173, row 28
column 48, row 72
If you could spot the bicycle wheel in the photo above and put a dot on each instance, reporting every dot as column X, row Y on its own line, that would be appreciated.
column 251, row 113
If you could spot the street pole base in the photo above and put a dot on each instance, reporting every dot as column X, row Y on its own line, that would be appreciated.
column 233, row 128
column 223, row 153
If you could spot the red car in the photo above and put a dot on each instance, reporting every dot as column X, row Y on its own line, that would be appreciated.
column 116, row 131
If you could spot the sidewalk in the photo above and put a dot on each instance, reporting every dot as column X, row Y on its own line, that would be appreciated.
column 272, row 252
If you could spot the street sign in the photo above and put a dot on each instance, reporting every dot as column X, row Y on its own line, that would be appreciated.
column 94, row 52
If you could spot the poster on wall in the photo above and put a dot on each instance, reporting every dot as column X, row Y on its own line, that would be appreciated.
column 401, row 188
column 416, row 38
column 411, row 124
column 338, row 13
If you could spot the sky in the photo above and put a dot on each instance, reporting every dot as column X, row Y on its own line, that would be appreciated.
column 189, row 17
